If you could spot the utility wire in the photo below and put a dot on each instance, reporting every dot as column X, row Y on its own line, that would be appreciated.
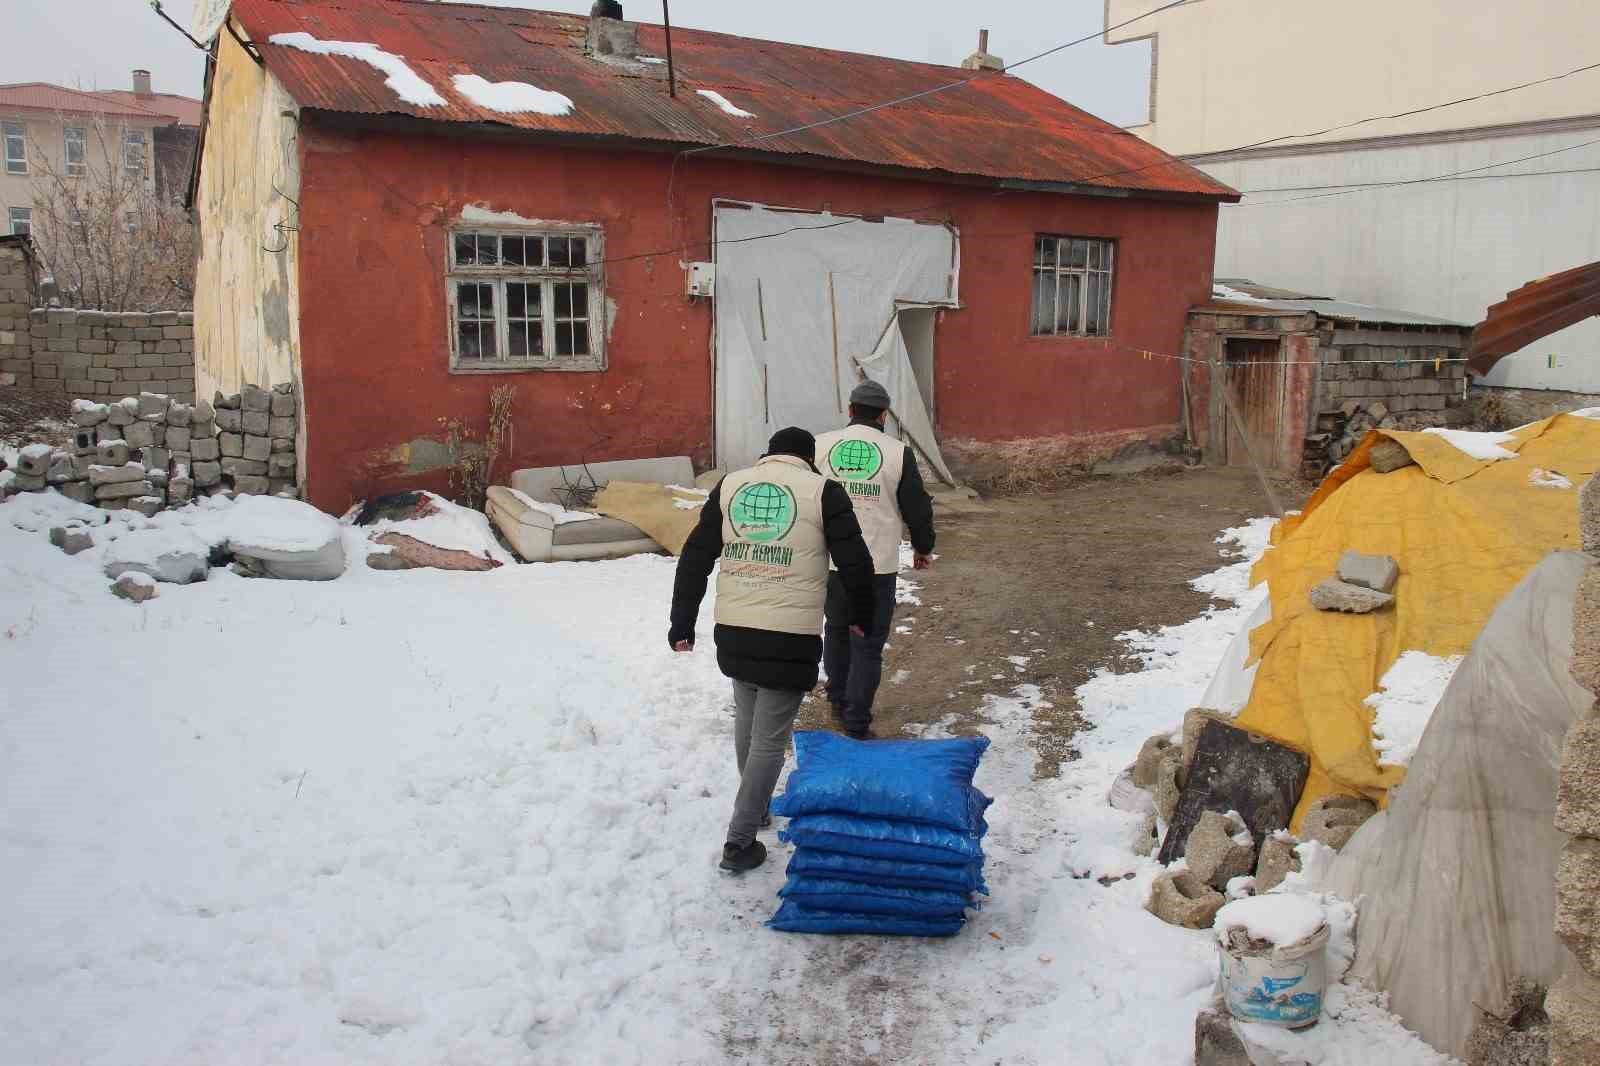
column 1359, row 185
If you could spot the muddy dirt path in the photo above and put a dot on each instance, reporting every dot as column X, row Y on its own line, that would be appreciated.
column 1034, row 589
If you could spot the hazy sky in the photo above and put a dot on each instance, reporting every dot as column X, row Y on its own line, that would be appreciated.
column 96, row 43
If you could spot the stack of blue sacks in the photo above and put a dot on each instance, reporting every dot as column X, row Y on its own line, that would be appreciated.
column 887, row 834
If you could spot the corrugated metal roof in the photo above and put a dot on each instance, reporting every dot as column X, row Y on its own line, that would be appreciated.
column 999, row 127
column 1232, row 297
column 185, row 110
column 1536, row 310
column 40, row 96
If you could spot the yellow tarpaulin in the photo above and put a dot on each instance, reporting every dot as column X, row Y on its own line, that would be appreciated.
column 1463, row 530
column 666, row 513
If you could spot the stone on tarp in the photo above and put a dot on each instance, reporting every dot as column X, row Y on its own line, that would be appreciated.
column 135, row 586
column 417, row 553
column 1389, row 455
column 1147, row 766
column 1278, row 860
column 1236, row 770
column 1180, row 898
column 1335, row 595
column 1375, row 572
column 1220, row 848
column 1333, row 820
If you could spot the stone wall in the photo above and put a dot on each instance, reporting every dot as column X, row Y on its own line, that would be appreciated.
column 100, row 355
column 1574, row 1001
column 1500, row 408
column 16, row 296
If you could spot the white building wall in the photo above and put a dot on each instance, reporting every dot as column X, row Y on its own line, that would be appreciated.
column 1445, row 248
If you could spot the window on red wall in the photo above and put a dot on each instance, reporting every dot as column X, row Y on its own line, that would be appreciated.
column 526, row 299
column 1072, row 286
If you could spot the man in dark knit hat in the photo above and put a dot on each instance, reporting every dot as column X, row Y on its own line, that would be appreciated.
column 775, row 528
column 880, row 475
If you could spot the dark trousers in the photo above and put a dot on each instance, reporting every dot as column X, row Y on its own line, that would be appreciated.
column 855, row 664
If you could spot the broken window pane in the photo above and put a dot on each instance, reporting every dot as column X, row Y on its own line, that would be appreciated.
column 580, row 252
column 466, row 249
column 467, row 300
column 488, row 249
column 559, row 256
column 511, row 251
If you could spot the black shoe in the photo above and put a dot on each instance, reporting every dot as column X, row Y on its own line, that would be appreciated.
column 861, row 734
column 766, row 820
column 738, row 860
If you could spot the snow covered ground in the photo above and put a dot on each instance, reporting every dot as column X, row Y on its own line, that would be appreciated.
column 440, row 818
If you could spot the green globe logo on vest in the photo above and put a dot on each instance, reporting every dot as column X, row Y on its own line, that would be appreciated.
column 856, row 460
column 763, row 512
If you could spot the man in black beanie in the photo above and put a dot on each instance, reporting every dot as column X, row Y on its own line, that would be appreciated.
column 774, row 526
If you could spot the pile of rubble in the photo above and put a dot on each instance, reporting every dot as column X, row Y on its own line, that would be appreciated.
column 148, row 452
column 1218, row 805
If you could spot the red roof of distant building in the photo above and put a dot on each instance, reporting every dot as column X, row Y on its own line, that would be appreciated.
column 158, row 107
column 998, row 127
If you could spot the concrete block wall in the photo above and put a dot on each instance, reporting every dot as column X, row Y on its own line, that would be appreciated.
column 102, row 354
column 1574, row 1002
column 1367, row 373
column 16, row 295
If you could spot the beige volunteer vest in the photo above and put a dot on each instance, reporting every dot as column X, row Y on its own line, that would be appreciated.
column 774, row 572
column 868, row 463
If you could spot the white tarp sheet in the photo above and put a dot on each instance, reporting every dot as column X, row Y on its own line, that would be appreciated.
column 889, row 364
column 1457, row 877
column 779, row 300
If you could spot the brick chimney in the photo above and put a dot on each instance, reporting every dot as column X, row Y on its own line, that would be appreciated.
column 141, row 83
column 981, row 59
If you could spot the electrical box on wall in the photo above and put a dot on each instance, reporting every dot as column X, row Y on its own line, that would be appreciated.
column 702, row 279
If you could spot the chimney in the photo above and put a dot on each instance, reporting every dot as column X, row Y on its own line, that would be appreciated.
column 609, row 37
column 981, row 59
column 141, row 83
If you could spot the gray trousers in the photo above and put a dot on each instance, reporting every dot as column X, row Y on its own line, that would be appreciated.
column 762, row 725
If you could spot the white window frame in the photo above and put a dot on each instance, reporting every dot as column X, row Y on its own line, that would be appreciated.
column 547, row 278
column 79, row 167
column 131, row 137
column 26, row 216
column 1087, row 282
column 17, row 132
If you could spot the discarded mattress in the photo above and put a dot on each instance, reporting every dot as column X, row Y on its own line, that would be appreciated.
column 541, row 535
column 1458, row 874
column 1464, row 530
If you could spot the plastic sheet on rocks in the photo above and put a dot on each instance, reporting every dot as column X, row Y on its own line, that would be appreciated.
column 1458, row 875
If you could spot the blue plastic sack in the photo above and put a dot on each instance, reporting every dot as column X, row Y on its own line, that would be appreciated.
column 915, row 780
column 856, row 898
column 878, row 838
column 795, row 917
column 839, row 866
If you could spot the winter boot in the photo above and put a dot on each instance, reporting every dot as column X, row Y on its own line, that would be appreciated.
column 739, row 860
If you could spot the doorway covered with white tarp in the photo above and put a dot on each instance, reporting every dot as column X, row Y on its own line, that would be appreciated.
column 802, row 316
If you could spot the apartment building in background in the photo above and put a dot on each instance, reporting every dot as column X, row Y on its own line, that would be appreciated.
column 48, row 129
column 1443, row 209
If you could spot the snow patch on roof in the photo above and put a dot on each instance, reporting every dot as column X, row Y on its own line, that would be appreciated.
column 512, row 97
column 1484, row 446
column 723, row 102
column 406, row 83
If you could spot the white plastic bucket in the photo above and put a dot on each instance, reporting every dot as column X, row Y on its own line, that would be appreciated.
column 1282, row 986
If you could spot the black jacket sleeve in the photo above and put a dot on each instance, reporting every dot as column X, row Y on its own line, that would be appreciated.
column 849, row 553
column 916, row 506
column 695, row 562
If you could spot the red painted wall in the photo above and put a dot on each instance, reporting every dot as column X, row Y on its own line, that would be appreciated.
column 376, row 208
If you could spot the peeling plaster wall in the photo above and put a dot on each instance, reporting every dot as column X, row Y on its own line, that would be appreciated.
column 247, row 284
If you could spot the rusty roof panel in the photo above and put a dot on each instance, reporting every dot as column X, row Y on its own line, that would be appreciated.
column 998, row 127
column 1536, row 310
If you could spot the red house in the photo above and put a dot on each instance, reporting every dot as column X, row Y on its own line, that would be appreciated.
column 405, row 204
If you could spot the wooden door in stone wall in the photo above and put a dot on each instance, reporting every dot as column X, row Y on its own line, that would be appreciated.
column 1255, row 382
